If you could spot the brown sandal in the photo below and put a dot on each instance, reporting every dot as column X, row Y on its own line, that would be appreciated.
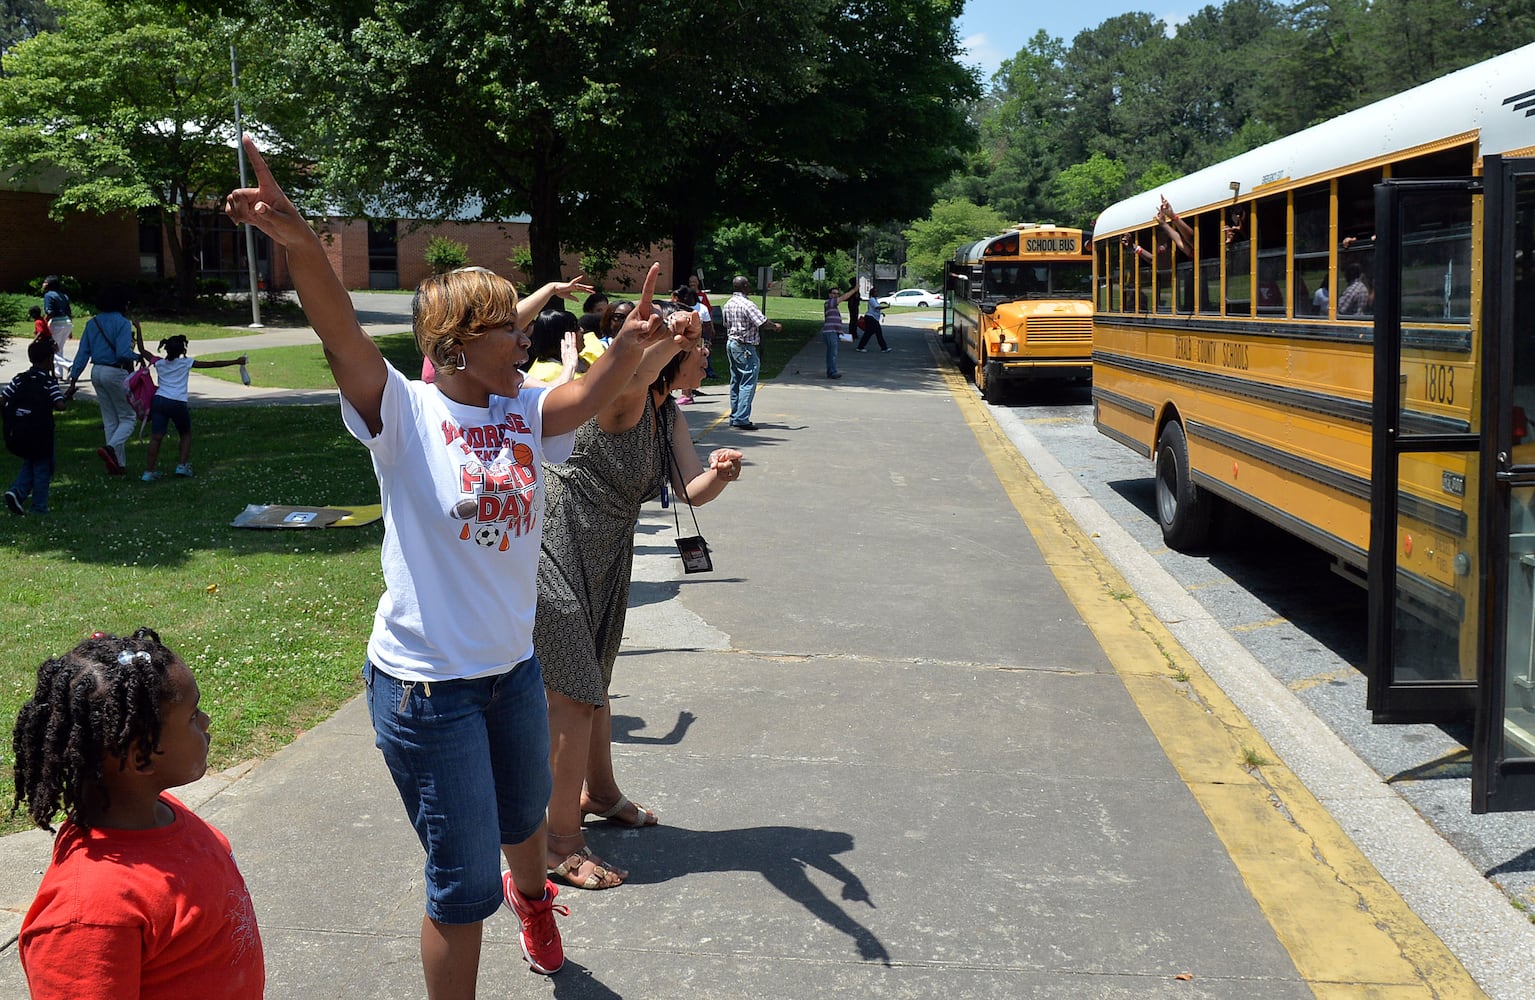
column 598, row 877
column 642, row 816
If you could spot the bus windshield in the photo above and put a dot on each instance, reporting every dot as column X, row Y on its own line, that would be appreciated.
column 1024, row 280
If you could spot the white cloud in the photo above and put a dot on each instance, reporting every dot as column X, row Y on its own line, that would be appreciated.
column 980, row 51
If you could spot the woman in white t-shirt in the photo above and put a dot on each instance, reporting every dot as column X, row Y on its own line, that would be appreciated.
column 454, row 691
column 170, row 403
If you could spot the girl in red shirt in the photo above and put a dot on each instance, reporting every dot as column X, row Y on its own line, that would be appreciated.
column 142, row 897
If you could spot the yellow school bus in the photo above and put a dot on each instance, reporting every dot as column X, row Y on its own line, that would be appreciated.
column 1323, row 331
column 1020, row 307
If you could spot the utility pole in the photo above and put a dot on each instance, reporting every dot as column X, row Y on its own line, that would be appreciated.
column 250, row 234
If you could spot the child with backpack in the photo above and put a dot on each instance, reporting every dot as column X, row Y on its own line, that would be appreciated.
column 142, row 897
column 170, row 403
column 27, row 405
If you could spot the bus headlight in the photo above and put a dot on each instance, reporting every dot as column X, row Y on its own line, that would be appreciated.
column 1006, row 346
column 1462, row 564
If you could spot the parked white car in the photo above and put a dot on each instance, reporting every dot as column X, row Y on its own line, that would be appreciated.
column 918, row 297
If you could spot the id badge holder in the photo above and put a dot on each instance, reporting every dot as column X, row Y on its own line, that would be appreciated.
column 695, row 554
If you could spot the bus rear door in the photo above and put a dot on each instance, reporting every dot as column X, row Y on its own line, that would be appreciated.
column 1503, row 745
column 1423, row 582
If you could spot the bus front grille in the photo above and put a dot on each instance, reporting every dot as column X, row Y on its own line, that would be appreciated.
column 1062, row 330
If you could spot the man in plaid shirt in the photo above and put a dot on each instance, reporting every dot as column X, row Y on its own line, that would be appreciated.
column 743, row 325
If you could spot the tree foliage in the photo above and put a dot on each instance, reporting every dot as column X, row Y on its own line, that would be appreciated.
column 21, row 19
column 931, row 242
column 129, row 106
column 1162, row 100
column 617, row 123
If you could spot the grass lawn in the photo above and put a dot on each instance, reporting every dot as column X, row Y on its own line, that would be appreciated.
column 273, row 623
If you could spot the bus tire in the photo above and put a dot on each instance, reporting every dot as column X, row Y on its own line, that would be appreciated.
column 1183, row 509
column 990, row 390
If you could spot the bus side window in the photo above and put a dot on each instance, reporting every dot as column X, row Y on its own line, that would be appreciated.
column 1356, row 243
column 1164, row 263
column 1272, row 229
column 1208, row 228
column 1146, row 239
column 1312, row 244
column 1124, row 271
column 1239, row 262
column 1103, row 295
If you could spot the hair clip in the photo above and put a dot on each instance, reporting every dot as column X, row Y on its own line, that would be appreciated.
column 98, row 635
column 127, row 658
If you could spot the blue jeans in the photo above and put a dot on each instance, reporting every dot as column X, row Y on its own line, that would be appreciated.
column 830, row 336
column 745, row 362
column 34, row 478
column 471, row 761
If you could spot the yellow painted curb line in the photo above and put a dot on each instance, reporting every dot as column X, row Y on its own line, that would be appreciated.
column 1346, row 929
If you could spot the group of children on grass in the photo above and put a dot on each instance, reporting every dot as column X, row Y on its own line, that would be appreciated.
column 31, row 398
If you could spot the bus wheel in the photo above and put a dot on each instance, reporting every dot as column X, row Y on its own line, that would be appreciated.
column 1183, row 509
column 990, row 390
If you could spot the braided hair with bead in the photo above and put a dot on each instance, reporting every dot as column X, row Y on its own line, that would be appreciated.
column 102, row 697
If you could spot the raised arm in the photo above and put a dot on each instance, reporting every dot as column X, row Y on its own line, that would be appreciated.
column 572, row 404
column 226, row 363
column 530, row 305
column 354, row 359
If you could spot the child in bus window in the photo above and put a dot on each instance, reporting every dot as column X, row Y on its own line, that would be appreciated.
column 1237, row 220
column 1355, row 300
column 1179, row 232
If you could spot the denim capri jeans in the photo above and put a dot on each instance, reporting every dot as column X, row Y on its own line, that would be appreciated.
column 471, row 761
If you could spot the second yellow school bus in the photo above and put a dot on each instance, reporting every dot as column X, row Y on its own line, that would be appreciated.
column 1020, row 307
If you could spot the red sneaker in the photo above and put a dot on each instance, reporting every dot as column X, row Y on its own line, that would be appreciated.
column 540, row 937
column 109, row 456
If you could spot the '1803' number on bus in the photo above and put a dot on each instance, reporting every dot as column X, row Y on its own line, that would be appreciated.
column 1440, row 381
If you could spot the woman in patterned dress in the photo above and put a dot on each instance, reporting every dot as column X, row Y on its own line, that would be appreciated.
column 620, row 460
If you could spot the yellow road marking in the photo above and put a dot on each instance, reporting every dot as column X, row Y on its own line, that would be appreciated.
column 1346, row 929
column 1255, row 626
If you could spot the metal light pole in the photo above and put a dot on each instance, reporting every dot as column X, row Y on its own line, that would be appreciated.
column 250, row 234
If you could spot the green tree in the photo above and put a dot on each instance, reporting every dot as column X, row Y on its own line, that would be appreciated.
column 129, row 104
column 21, row 19
column 443, row 254
column 1154, row 176
column 659, row 119
column 562, row 110
column 597, row 264
column 1020, row 129
column 878, row 120
column 739, row 248
column 931, row 242
column 801, row 282
column 1085, row 189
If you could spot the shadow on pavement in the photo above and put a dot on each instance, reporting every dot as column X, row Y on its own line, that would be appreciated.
column 626, row 726
column 780, row 854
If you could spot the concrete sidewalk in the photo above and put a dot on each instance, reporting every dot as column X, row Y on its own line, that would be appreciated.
column 890, row 756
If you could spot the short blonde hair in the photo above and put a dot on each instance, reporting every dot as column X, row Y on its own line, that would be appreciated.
column 450, row 309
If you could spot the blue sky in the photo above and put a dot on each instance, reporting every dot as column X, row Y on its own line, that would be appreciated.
column 993, row 30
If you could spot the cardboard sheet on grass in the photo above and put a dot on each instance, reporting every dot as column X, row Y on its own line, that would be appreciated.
column 260, row 515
